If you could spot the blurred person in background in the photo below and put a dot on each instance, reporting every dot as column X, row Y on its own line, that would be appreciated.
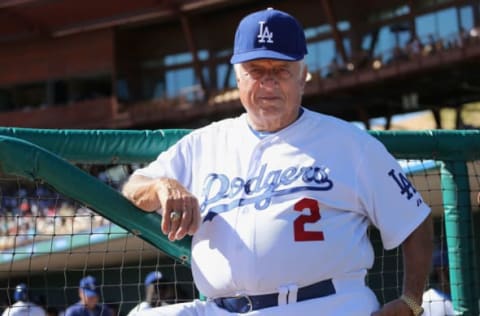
column 89, row 304
column 158, row 292
column 437, row 300
column 23, row 306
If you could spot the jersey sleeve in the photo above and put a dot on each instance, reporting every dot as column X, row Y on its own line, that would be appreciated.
column 391, row 201
column 71, row 311
column 174, row 163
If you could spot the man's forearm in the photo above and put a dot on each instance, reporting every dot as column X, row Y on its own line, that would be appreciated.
column 417, row 255
column 142, row 192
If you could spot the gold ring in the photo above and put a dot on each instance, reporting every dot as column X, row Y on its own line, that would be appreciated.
column 175, row 216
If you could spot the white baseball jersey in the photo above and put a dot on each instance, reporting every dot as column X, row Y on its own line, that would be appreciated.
column 436, row 303
column 138, row 308
column 24, row 309
column 141, row 307
column 290, row 208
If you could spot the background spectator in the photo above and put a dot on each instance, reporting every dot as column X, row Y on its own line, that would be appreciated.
column 437, row 300
column 89, row 300
column 23, row 306
column 158, row 292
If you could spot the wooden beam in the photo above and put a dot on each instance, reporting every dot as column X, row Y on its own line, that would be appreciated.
column 388, row 123
column 363, row 115
column 32, row 26
column 112, row 21
column 187, row 30
column 168, row 8
column 226, row 79
column 437, row 117
column 411, row 18
column 476, row 14
column 337, row 36
column 458, row 118
column 15, row 3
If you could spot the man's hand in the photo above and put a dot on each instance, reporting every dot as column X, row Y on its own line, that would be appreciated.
column 173, row 197
column 417, row 251
column 394, row 308
column 165, row 196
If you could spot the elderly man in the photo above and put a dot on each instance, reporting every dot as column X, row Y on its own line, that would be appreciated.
column 279, row 199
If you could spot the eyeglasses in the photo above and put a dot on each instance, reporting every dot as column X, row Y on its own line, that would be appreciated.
column 256, row 72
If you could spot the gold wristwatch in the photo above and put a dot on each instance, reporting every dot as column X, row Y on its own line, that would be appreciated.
column 416, row 309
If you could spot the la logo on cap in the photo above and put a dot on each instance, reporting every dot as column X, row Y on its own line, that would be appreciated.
column 264, row 33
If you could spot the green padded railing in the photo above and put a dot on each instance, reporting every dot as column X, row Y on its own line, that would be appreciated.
column 100, row 146
column 21, row 158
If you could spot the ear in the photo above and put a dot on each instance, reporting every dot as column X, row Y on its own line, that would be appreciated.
column 237, row 77
column 304, row 72
column 303, row 77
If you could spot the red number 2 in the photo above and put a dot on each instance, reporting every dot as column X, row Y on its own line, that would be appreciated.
column 299, row 224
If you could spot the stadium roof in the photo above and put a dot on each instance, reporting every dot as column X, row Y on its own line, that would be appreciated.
column 27, row 18
column 23, row 19
column 446, row 79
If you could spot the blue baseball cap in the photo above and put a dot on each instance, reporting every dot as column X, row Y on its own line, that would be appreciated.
column 89, row 286
column 269, row 34
column 21, row 293
column 153, row 277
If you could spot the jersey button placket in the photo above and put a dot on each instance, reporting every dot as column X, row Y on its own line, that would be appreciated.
column 248, row 214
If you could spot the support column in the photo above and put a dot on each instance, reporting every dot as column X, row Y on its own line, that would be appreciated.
column 459, row 236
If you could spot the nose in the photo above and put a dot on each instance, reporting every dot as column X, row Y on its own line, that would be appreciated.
column 269, row 77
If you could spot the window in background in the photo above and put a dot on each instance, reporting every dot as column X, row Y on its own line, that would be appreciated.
column 60, row 92
column 320, row 55
column 6, row 100
column 88, row 88
column 180, row 79
column 223, row 71
column 466, row 17
column 30, row 95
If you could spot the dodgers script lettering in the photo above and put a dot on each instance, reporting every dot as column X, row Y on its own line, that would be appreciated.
column 220, row 193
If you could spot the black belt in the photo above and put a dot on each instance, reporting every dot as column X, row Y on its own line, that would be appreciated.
column 248, row 303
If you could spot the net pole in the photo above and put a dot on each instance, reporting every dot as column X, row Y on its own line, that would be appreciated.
column 458, row 230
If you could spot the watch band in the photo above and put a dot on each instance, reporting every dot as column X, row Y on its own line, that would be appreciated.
column 416, row 309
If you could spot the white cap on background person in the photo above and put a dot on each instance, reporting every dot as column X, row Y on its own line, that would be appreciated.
column 153, row 277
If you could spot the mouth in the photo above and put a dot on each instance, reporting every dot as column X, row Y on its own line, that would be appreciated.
column 269, row 98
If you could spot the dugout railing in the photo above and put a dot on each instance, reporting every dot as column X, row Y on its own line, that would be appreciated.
column 52, row 156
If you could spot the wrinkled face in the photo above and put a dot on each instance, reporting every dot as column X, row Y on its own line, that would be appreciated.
column 271, row 92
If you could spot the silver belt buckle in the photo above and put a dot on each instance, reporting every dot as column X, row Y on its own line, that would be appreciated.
column 249, row 302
